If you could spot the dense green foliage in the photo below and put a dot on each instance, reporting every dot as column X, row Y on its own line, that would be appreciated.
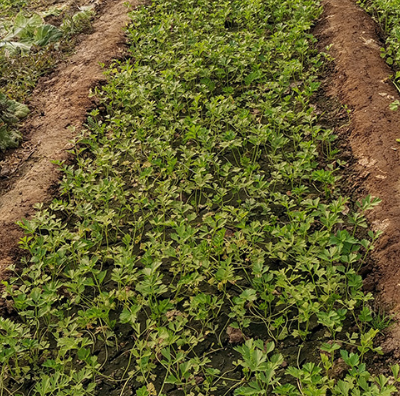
column 387, row 14
column 203, row 200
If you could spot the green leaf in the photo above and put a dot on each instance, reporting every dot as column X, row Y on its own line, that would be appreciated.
column 252, row 77
column 50, row 363
column 365, row 315
column 253, row 389
column 83, row 353
column 100, row 276
column 329, row 347
column 129, row 316
column 343, row 388
column 46, row 34
column 395, row 370
column 394, row 105
column 171, row 379
column 142, row 391
column 249, row 295
column 269, row 347
column 210, row 84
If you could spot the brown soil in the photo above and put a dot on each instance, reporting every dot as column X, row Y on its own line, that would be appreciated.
column 59, row 105
column 361, row 80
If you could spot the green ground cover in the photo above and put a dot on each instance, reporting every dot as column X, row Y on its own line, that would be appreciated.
column 387, row 14
column 199, row 246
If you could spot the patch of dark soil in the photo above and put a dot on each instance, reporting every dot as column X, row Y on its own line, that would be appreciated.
column 59, row 107
column 361, row 81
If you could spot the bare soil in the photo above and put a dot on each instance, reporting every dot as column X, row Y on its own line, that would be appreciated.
column 361, row 81
column 59, row 107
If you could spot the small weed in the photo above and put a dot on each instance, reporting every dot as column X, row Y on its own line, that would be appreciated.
column 381, row 320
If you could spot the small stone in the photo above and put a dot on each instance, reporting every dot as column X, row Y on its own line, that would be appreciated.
column 236, row 336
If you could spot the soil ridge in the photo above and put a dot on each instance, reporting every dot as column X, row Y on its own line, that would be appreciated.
column 361, row 80
column 59, row 107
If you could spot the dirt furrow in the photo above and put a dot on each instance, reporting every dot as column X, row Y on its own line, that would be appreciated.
column 361, row 81
column 59, row 105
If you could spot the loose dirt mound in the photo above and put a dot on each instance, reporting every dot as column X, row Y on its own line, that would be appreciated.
column 361, row 81
column 59, row 105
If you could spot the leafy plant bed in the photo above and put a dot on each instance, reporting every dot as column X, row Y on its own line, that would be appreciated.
column 387, row 15
column 199, row 246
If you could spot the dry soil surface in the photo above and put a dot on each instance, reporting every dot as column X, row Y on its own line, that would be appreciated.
column 60, row 104
column 361, row 81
